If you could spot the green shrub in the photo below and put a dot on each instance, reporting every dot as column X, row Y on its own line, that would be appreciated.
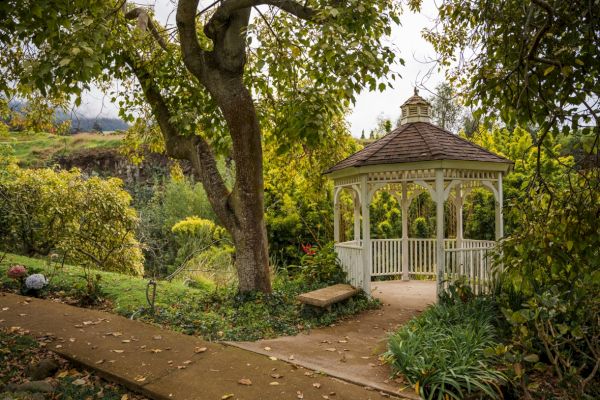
column 444, row 352
column 549, row 289
column 90, row 221
column 321, row 266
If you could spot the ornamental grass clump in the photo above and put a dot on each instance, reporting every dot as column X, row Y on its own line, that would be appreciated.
column 444, row 352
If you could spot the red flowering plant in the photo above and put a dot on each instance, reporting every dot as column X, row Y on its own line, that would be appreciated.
column 18, row 273
column 321, row 266
column 308, row 249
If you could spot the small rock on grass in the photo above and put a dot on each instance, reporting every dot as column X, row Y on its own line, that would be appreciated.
column 42, row 370
column 33, row 386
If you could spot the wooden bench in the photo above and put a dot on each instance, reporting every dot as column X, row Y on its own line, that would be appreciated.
column 325, row 297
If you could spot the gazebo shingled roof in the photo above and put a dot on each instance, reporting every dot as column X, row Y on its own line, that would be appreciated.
column 418, row 141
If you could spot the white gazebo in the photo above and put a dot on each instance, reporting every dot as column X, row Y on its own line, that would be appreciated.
column 414, row 158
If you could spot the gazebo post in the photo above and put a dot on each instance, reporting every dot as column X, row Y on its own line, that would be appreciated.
column 336, row 218
column 366, row 234
column 499, row 207
column 459, row 216
column 356, row 217
column 439, row 217
column 404, row 204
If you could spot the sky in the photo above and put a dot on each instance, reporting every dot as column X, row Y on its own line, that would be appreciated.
column 406, row 38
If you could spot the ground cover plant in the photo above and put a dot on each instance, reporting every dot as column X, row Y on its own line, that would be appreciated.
column 211, row 312
column 448, row 352
column 20, row 351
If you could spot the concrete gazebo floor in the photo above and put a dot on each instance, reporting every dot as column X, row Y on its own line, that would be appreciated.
column 350, row 349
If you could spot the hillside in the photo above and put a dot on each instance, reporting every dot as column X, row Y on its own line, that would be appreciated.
column 37, row 150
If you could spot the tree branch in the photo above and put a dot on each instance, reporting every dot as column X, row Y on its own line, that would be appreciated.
column 192, row 148
column 144, row 22
column 193, row 55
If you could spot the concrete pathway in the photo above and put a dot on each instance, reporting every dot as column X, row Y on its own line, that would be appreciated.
column 162, row 364
column 350, row 350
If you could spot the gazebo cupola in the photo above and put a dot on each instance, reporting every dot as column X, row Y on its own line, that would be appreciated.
column 415, row 109
column 416, row 157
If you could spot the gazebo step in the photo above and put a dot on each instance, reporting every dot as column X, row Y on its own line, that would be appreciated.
column 327, row 296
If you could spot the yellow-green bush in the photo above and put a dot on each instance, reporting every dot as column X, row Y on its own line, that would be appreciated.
column 90, row 221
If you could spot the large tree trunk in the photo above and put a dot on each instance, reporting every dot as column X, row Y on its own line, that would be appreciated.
column 247, row 197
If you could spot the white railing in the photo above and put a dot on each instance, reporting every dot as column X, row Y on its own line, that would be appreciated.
column 472, row 264
column 350, row 256
column 386, row 257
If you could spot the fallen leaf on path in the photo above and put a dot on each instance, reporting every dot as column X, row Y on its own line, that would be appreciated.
column 291, row 357
column 227, row 396
column 200, row 350
column 124, row 397
column 62, row 374
column 115, row 334
column 118, row 351
column 267, row 348
column 276, row 376
column 330, row 349
column 78, row 382
column 317, row 385
column 99, row 361
column 273, row 358
column 125, row 341
column 156, row 337
column 140, row 378
column 299, row 394
column 274, row 383
column 245, row 382
column 187, row 362
column 155, row 350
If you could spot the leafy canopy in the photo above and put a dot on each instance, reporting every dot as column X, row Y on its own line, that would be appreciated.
column 532, row 61
column 302, row 73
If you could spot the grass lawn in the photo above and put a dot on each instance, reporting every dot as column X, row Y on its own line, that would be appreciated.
column 36, row 149
column 213, row 313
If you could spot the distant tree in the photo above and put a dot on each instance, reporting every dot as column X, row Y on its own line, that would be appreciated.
column 447, row 113
column 383, row 126
column 362, row 135
column 97, row 127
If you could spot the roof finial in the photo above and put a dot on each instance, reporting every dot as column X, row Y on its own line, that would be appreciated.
column 416, row 91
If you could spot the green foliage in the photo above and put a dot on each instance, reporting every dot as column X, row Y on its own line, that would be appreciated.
column 479, row 215
column 550, row 286
column 420, row 228
column 171, row 202
column 298, row 202
column 321, row 266
column 90, row 221
column 534, row 62
column 517, row 145
column 444, row 352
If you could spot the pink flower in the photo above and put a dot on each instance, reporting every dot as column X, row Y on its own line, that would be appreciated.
column 17, row 271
